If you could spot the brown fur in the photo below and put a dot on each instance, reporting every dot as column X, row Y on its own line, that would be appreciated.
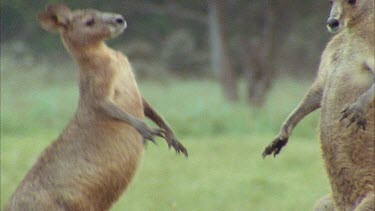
column 96, row 156
column 344, row 89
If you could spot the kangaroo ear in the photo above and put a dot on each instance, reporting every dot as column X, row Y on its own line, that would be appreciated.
column 55, row 18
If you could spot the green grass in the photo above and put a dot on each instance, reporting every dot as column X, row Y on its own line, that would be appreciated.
column 227, row 173
column 224, row 171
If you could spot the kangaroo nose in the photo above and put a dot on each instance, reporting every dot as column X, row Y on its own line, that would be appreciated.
column 120, row 21
column 333, row 23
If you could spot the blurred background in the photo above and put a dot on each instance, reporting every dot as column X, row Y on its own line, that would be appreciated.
column 225, row 74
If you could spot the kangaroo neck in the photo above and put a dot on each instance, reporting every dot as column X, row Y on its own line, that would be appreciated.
column 90, row 56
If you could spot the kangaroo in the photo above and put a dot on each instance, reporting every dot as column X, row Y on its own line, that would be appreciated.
column 94, row 159
column 344, row 90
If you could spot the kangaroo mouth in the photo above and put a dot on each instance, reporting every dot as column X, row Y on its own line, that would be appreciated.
column 333, row 30
column 117, row 29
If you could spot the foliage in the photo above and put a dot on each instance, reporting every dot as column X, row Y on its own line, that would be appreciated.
column 181, row 55
column 242, row 39
column 304, row 21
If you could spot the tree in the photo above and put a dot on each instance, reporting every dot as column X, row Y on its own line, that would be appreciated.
column 244, row 38
column 257, row 56
column 219, row 49
column 215, row 21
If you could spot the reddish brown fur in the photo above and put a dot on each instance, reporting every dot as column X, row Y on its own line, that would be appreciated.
column 344, row 89
column 96, row 156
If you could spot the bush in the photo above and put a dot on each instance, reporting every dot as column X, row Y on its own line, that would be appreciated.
column 181, row 55
column 145, row 60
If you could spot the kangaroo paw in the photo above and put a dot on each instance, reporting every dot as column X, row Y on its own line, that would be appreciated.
column 275, row 147
column 356, row 115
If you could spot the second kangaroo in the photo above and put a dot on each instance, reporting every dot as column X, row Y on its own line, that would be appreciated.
column 344, row 90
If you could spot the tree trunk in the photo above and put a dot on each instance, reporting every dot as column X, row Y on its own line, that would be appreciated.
column 214, row 38
column 220, row 59
column 258, row 58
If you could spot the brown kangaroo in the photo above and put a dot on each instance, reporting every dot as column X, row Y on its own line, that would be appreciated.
column 344, row 89
column 94, row 159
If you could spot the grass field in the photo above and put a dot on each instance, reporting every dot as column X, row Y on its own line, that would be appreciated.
column 224, row 171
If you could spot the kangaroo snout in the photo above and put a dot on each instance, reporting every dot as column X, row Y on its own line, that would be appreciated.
column 333, row 25
column 118, row 24
column 120, row 21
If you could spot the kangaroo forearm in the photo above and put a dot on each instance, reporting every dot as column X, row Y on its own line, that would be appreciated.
column 310, row 103
column 153, row 115
column 116, row 112
column 368, row 97
column 168, row 134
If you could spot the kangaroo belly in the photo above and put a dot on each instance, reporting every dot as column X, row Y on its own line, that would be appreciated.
column 348, row 153
column 87, row 166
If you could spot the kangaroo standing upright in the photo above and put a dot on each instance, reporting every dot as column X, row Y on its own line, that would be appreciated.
column 96, row 156
column 344, row 90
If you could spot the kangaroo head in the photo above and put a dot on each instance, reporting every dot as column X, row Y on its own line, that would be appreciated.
column 347, row 13
column 81, row 27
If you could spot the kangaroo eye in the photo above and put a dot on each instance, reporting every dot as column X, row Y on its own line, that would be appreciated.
column 352, row 2
column 90, row 22
column 330, row 2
